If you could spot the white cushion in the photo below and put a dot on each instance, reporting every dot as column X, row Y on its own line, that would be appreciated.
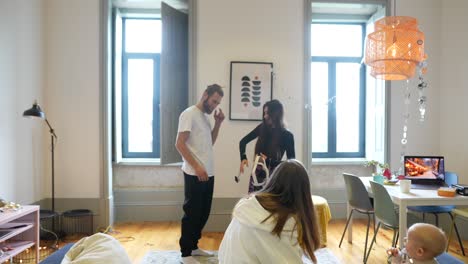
column 96, row 249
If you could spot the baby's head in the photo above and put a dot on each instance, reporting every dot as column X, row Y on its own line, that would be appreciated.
column 425, row 241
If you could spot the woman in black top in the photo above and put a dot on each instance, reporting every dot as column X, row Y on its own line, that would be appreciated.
column 273, row 141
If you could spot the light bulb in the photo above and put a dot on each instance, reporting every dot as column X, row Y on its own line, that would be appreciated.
column 393, row 50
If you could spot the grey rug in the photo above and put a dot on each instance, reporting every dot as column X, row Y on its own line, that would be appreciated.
column 324, row 256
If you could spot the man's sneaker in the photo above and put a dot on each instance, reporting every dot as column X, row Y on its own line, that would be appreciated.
column 189, row 260
column 201, row 252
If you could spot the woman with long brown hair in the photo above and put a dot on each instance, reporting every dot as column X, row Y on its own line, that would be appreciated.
column 273, row 140
column 275, row 225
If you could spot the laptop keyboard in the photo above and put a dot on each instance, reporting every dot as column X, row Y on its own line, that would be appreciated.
column 425, row 186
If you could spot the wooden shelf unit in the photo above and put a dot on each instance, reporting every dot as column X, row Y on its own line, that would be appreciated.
column 21, row 238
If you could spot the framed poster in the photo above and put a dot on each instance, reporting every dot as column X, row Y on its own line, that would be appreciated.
column 251, row 87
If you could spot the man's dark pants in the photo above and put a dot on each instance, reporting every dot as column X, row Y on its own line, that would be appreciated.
column 197, row 206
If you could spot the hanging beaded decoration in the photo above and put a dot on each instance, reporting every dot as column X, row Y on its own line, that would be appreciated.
column 406, row 115
column 421, row 86
column 422, row 102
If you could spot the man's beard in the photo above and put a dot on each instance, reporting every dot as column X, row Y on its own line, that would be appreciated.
column 206, row 107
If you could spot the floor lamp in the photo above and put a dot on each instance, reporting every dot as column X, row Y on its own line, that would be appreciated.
column 36, row 112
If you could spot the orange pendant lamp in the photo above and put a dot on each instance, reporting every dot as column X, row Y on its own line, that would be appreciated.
column 395, row 48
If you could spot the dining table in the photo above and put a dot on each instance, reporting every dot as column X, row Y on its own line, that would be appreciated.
column 415, row 197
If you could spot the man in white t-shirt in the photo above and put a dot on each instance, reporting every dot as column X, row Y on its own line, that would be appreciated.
column 194, row 142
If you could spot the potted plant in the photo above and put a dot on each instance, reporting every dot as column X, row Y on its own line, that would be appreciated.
column 384, row 168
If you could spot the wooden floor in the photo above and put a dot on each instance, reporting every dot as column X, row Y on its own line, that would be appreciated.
column 139, row 238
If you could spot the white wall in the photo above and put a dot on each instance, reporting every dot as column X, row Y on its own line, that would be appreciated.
column 444, row 131
column 453, row 89
column 73, row 95
column 21, row 82
column 245, row 30
column 423, row 137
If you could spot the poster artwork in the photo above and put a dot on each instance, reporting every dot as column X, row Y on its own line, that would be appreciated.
column 251, row 84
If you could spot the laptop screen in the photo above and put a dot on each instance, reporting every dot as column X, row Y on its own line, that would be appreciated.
column 424, row 168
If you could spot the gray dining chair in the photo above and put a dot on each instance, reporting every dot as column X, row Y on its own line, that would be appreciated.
column 359, row 201
column 385, row 212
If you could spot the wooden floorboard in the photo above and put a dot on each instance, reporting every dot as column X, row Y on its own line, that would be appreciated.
column 138, row 238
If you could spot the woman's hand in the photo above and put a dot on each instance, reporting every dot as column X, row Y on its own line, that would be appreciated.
column 243, row 164
column 263, row 156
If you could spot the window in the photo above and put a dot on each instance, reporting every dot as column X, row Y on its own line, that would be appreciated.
column 338, row 90
column 141, row 45
column 150, row 82
column 348, row 108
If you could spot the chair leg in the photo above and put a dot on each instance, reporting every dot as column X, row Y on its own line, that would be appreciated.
column 373, row 222
column 458, row 235
column 346, row 227
column 436, row 219
column 424, row 217
column 397, row 237
column 451, row 231
column 367, row 235
column 393, row 238
column 372, row 243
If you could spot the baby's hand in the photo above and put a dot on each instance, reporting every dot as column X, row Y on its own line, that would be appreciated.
column 393, row 251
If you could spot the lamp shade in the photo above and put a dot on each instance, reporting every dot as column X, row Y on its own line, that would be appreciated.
column 34, row 111
column 395, row 48
column 394, row 70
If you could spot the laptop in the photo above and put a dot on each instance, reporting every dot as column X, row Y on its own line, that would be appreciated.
column 425, row 172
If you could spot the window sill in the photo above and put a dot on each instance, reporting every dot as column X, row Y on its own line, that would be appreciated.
column 339, row 161
column 145, row 162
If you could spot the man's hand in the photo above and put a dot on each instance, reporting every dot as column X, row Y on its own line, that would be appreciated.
column 218, row 116
column 244, row 163
column 201, row 173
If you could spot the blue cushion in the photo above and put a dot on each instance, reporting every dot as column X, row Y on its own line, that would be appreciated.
column 432, row 209
column 57, row 256
column 448, row 259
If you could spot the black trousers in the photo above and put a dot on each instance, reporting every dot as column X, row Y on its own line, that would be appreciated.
column 197, row 206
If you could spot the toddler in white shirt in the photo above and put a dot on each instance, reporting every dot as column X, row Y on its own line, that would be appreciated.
column 424, row 243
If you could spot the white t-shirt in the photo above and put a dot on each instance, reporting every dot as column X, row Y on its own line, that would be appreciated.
column 199, row 142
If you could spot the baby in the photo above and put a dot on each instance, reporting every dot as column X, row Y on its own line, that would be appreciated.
column 424, row 243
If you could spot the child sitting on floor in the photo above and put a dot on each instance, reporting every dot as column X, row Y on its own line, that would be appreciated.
column 277, row 224
column 424, row 243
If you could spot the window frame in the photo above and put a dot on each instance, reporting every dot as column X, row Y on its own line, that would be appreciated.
column 332, row 133
column 156, row 122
